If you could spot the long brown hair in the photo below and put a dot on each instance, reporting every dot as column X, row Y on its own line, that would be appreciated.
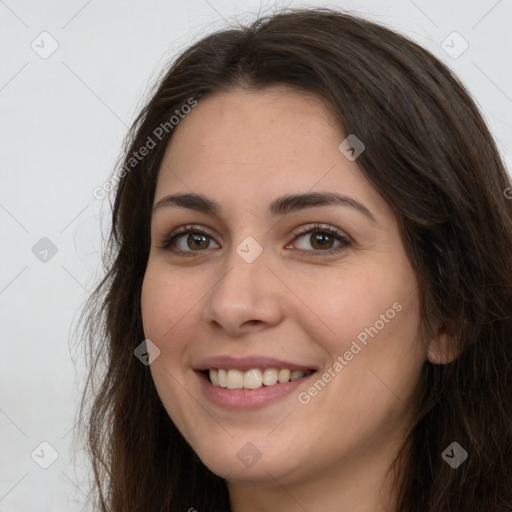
column 432, row 158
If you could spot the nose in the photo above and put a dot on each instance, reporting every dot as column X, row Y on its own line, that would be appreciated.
column 247, row 297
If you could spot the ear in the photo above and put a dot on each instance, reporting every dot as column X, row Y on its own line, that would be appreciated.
column 442, row 349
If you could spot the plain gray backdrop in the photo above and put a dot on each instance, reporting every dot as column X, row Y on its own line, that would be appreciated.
column 73, row 75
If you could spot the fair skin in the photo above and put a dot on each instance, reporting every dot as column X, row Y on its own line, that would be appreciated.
column 242, row 149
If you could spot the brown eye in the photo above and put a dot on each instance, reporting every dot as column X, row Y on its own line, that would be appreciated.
column 322, row 239
column 197, row 241
column 188, row 240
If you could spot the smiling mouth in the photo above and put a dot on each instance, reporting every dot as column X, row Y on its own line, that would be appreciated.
column 255, row 378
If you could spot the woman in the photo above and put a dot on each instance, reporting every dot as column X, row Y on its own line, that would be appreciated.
column 310, row 260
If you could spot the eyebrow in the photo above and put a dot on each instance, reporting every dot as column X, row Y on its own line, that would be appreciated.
column 282, row 205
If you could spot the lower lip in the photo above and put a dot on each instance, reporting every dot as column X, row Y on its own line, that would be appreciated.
column 248, row 398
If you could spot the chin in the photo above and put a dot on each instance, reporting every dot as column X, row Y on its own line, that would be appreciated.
column 249, row 463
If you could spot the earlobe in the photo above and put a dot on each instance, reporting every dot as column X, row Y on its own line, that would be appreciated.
column 442, row 349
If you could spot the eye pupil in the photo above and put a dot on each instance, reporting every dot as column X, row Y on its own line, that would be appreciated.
column 198, row 239
column 320, row 238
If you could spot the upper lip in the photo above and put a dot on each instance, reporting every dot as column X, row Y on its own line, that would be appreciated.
column 248, row 363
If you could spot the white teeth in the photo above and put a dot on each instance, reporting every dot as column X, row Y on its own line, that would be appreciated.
column 235, row 379
column 253, row 378
column 270, row 377
column 222, row 377
column 283, row 375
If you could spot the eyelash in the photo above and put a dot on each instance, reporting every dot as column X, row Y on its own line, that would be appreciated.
column 169, row 241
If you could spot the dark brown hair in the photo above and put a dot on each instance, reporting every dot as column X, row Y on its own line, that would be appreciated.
column 432, row 158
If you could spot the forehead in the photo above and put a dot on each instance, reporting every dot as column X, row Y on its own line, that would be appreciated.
column 250, row 146
column 270, row 130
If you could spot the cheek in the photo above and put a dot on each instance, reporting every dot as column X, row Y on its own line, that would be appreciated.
column 356, row 305
column 165, row 304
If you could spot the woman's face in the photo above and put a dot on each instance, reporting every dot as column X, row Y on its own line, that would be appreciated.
column 265, row 282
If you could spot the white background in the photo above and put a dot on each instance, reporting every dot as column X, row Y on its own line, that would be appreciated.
column 62, row 121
